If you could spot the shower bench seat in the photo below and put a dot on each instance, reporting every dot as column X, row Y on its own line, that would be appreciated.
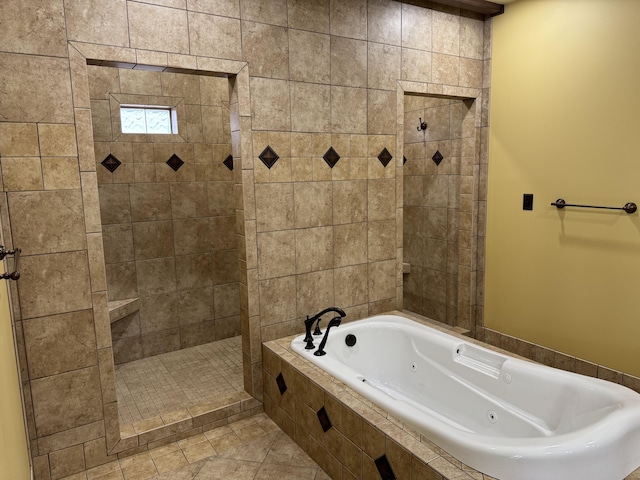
column 119, row 309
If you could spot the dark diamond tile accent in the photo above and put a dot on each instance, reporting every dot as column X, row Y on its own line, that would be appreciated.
column 282, row 385
column 175, row 162
column 437, row 157
column 404, row 159
column 325, row 423
column 268, row 157
column 228, row 162
column 331, row 157
column 384, row 468
column 385, row 157
column 111, row 163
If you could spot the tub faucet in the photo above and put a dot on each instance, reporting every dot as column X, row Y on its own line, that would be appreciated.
column 308, row 323
column 334, row 322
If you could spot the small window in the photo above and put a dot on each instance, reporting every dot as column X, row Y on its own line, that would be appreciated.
column 144, row 119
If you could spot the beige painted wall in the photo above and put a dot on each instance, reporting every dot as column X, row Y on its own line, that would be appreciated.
column 14, row 456
column 565, row 123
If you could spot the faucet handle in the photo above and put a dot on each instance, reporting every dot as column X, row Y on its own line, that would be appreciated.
column 308, row 323
column 309, row 345
column 317, row 331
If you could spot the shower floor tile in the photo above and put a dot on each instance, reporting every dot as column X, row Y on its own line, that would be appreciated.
column 173, row 381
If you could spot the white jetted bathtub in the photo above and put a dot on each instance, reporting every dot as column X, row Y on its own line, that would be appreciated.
column 506, row 417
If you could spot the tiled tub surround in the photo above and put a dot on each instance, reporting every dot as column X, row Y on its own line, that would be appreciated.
column 437, row 234
column 300, row 397
column 359, row 435
column 169, row 235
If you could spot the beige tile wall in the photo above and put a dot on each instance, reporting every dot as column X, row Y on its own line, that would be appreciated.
column 164, row 232
column 319, row 74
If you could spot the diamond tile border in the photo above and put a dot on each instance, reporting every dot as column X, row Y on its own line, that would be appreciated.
column 385, row 157
column 111, row 163
column 282, row 385
column 437, row 157
column 228, row 162
column 384, row 468
column 331, row 157
column 269, row 157
column 323, row 417
column 175, row 162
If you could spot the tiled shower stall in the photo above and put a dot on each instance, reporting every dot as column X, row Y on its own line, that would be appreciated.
column 438, row 233
column 169, row 233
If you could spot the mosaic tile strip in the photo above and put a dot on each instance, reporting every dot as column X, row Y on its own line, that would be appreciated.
column 187, row 378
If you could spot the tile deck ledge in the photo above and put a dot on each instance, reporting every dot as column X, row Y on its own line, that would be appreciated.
column 414, row 316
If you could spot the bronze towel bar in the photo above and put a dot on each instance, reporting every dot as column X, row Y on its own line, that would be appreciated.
column 628, row 207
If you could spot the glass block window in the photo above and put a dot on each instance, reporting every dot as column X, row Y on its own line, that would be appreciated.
column 143, row 119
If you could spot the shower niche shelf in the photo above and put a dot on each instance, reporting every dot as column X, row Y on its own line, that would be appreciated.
column 118, row 309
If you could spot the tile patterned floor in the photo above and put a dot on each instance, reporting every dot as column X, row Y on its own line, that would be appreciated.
column 158, row 385
column 250, row 449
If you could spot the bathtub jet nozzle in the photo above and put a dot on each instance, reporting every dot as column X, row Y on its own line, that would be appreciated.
column 335, row 322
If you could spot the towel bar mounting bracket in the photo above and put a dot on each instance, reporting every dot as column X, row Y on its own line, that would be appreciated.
column 15, row 275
